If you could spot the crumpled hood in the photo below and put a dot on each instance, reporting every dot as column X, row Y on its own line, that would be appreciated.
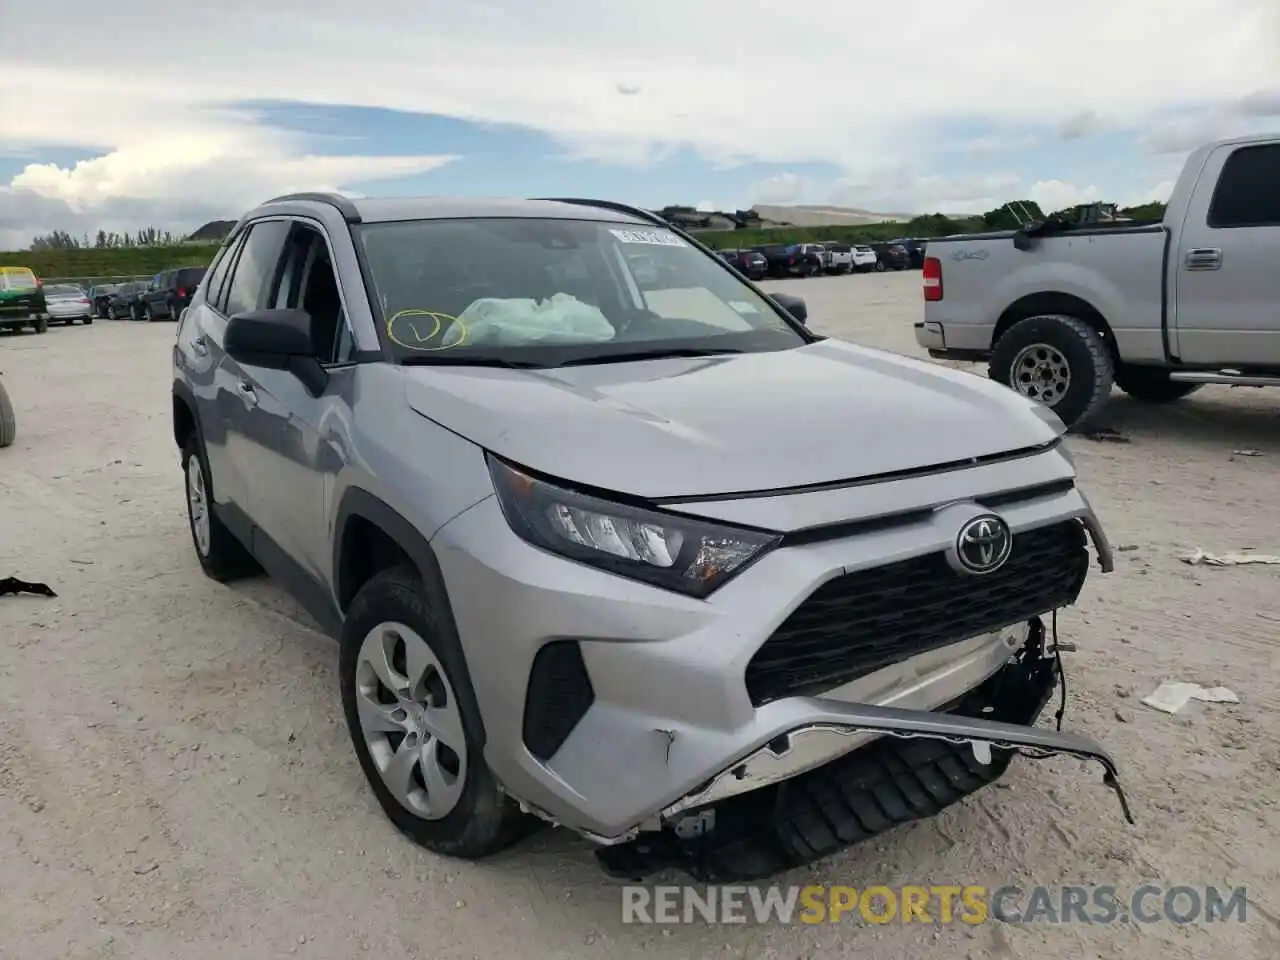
column 822, row 413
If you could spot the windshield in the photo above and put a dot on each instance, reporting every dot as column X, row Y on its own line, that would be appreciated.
column 545, row 291
column 17, row 278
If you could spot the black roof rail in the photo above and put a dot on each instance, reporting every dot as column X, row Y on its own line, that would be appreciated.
column 343, row 205
column 646, row 215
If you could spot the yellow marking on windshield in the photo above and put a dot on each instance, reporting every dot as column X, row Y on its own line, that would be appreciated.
column 415, row 329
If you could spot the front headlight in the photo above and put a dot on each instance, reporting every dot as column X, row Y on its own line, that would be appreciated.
column 690, row 556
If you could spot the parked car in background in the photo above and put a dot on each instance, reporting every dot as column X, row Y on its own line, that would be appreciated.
column 22, row 302
column 1061, row 311
column 891, row 256
column 915, row 251
column 66, row 303
column 169, row 293
column 782, row 259
column 123, row 304
column 864, row 258
column 101, row 295
column 751, row 263
column 840, row 257
column 815, row 259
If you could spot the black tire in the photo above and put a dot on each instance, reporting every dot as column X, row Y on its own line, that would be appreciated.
column 88, row 320
column 226, row 559
column 8, row 422
column 879, row 266
column 1087, row 358
column 1152, row 385
column 485, row 821
column 41, row 325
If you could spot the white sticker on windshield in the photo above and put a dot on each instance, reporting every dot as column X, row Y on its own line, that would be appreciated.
column 741, row 307
column 658, row 238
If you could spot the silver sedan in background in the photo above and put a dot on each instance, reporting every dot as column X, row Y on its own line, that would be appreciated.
column 67, row 303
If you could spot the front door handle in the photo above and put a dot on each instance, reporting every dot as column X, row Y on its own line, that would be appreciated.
column 247, row 393
column 1203, row 258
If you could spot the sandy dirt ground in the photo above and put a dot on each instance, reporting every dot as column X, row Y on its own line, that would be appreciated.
column 176, row 781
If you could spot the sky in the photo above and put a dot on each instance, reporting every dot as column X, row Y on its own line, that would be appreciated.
column 147, row 113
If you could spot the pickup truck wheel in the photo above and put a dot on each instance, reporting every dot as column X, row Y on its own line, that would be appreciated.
column 409, row 708
column 1056, row 360
column 1152, row 385
column 222, row 557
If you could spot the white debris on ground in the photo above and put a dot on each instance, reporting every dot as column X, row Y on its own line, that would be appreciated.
column 1172, row 695
column 1199, row 557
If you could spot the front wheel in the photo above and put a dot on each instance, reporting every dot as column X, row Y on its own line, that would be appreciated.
column 1056, row 360
column 413, row 720
column 1152, row 385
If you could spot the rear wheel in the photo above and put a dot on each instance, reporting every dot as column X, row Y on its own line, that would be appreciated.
column 1056, row 360
column 879, row 266
column 221, row 555
column 1152, row 385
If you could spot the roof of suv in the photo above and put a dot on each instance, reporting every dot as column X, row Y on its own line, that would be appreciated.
column 388, row 209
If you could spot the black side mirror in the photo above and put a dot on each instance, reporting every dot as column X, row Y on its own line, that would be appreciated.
column 793, row 305
column 278, row 340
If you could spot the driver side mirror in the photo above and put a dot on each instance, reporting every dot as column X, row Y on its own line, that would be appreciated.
column 793, row 305
column 278, row 340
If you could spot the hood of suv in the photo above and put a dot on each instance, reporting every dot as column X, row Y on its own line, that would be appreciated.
column 821, row 413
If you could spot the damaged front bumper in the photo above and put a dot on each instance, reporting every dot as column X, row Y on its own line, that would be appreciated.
column 920, row 763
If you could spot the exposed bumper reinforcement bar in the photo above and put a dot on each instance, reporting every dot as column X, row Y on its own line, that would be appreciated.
column 923, row 763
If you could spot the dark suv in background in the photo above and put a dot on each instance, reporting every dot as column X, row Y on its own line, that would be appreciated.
column 170, row 293
column 891, row 256
column 750, row 263
column 915, row 251
column 123, row 303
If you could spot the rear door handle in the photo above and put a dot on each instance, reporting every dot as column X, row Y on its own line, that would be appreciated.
column 1203, row 258
column 247, row 393
column 201, row 346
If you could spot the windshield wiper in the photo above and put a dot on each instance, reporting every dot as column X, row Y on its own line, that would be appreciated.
column 654, row 353
column 443, row 359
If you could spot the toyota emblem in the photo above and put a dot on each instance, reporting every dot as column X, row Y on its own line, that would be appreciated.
column 983, row 544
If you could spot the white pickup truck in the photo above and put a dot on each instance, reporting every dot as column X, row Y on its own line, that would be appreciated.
column 1061, row 312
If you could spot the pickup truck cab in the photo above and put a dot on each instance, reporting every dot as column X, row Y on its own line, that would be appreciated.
column 839, row 257
column 1061, row 312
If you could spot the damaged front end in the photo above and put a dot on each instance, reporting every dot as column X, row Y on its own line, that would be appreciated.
column 920, row 763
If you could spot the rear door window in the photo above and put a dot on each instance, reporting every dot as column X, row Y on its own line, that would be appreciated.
column 1248, row 191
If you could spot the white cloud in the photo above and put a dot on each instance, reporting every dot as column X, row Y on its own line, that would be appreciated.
column 611, row 86
column 1054, row 195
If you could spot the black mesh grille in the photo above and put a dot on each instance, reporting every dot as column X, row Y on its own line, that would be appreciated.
column 856, row 624
column 559, row 695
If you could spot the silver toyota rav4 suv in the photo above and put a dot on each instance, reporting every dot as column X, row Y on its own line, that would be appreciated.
column 609, row 538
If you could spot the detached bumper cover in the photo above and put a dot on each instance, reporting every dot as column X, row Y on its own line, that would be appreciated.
column 924, row 763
